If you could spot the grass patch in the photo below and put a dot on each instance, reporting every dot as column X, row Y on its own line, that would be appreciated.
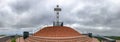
column 114, row 37
column 13, row 40
column 99, row 39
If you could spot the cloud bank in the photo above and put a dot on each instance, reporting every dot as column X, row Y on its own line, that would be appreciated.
column 100, row 17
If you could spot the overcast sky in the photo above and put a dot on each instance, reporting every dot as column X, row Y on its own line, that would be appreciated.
column 101, row 17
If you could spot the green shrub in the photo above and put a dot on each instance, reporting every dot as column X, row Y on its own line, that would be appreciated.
column 13, row 40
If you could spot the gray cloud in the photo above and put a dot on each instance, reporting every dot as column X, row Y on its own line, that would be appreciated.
column 21, row 6
column 96, row 16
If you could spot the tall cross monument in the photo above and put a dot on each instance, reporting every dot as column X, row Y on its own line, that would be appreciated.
column 57, row 22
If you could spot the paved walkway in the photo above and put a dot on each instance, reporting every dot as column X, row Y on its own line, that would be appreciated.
column 8, row 40
column 4, row 39
column 95, row 40
column 20, row 39
column 117, row 40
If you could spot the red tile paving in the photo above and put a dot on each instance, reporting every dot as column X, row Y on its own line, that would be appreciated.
column 37, row 39
column 57, row 31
